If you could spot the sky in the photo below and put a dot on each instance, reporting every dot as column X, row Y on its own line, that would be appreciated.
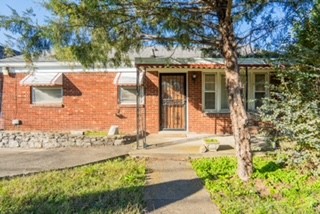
column 19, row 6
column 41, row 13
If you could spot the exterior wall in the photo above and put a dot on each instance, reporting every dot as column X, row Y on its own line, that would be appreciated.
column 198, row 121
column 152, row 102
column 89, row 103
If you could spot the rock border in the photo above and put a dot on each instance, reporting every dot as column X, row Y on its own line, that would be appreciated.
column 56, row 140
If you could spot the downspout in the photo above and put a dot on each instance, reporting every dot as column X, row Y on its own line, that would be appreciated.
column 247, row 87
column 137, row 108
column 144, row 109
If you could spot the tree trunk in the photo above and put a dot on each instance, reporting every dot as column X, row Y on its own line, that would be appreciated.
column 238, row 114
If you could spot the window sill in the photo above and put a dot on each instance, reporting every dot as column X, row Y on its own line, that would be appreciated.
column 129, row 105
column 215, row 112
column 47, row 105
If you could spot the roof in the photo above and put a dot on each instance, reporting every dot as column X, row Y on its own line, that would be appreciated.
column 2, row 52
column 198, row 62
column 160, row 52
column 144, row 53
column 20, row 58
column 189, row 61
column 42, row 79
column 149, row 56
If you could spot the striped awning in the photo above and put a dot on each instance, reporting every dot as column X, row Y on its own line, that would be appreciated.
column 130, row 79
column 42, row 79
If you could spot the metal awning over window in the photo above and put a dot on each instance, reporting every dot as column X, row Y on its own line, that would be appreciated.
column 42, row 79
column 129, row 79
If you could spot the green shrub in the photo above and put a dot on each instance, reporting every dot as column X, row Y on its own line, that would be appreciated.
column 293, row 111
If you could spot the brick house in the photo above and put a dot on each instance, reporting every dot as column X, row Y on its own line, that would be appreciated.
column 178, row 91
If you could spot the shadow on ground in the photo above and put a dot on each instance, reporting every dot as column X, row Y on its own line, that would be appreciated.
column 163, row 194
column 123, row 200
column 225, row 147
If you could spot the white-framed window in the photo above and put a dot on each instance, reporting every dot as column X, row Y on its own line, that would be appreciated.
column 209, row 92
column 215, row 95
column 47, row 95
column 223, row 94
column 127, row 95
column 260, row 80
column 215, row 92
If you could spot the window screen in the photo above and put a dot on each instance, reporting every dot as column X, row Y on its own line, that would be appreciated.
column 47, row 95
column 128, row 95
column 209, row 92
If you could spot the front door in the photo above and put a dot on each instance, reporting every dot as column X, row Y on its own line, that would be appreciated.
column 173, row 101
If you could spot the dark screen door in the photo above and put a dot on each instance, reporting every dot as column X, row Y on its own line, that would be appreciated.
column 173, row 101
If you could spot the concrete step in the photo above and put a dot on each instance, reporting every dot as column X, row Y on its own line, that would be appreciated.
column 168, row 141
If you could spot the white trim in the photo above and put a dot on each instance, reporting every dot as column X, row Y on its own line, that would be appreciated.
column 45, row 87
column 215, row 110
column 220, row 109
column 41, row 79
column 134, row 102
column 187, row 102
column 218, row 90
column 50, row 64
column 115, row 80
column 252, row 88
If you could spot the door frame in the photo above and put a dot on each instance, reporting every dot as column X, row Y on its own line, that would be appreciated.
column 185, row 75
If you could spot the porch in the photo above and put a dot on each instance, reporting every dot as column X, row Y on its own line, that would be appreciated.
column 192, row 96
column 182, row 146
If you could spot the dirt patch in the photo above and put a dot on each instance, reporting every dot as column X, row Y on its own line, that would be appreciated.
column 262, row 189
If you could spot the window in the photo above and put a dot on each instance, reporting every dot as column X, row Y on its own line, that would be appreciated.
column 224, row 94
column 215, row 93
column 259, row 89
column 127, row 95
column 209, row 92
column 47, row 95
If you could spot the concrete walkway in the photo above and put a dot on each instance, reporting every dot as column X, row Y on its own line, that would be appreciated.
column 15, row 162
column 173, row 187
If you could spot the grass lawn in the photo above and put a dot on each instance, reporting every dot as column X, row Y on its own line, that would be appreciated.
column 273, row 189
column 110, row 187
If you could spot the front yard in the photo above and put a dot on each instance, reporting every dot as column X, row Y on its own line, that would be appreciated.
column 274, row 188
column 110, row 187
column 117, row 187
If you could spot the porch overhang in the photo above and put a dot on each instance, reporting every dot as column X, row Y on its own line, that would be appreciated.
column 42, row 79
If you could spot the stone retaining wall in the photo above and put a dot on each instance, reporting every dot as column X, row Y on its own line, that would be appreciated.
column 55, row 140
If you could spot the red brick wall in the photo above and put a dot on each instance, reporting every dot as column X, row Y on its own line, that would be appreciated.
column 89, row 103
column 199, row 122
column 152, row 102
